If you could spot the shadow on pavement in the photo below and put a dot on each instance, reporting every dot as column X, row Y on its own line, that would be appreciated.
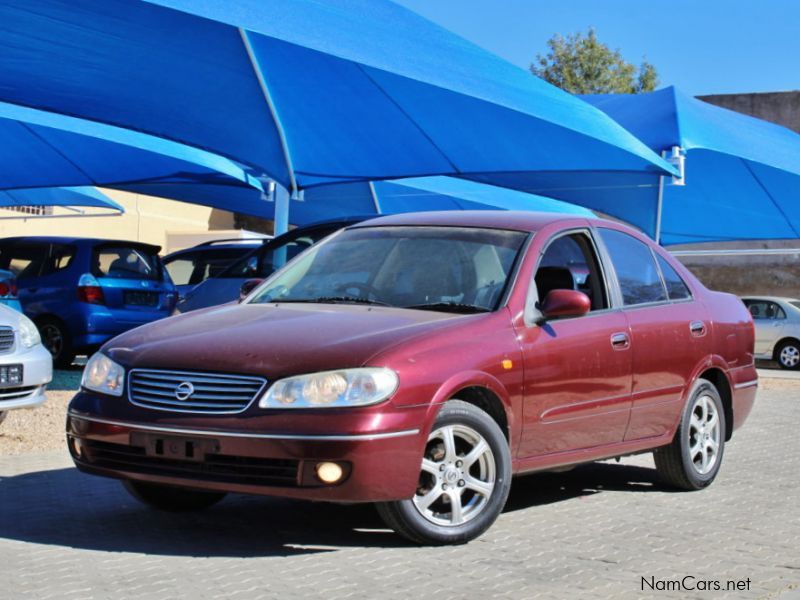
column 67, row 508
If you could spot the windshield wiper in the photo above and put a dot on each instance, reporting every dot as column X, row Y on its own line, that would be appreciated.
column 333, row 300
column 450, row 307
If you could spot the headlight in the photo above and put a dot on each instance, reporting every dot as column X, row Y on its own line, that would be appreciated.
column 28, row 334
column 331, row 389
column 103, row 375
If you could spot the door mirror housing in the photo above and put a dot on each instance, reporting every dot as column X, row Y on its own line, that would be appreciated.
column 565, row 303
column 247, row 287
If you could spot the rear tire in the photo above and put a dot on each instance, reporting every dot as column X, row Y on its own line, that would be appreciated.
column 172, row 499
column 57, row 340
column 693, row 459
column 788, row 355
column 464, row 482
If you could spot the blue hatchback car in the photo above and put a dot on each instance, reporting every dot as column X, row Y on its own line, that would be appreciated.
column 82, row 292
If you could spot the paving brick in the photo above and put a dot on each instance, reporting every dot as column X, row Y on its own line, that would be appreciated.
column 593, row 532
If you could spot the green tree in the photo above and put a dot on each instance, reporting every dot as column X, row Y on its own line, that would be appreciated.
column 582, row 64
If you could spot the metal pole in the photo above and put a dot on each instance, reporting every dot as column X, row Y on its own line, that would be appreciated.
column 659, row 209
column 282, row 199
column 375, row 200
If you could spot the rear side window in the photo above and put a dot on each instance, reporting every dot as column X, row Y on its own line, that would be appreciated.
column 23, row 260
column 637, row 273
column 676, row 288
column 124, row 262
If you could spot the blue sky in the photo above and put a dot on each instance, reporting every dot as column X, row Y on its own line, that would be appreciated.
column 701, row 46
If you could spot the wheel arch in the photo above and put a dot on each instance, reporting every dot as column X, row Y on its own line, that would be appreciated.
column 482, row 391
column 780, row 343
column 719, row 380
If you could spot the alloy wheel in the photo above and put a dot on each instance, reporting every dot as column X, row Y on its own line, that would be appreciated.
column 704, row 434
column 789, row 356
column 458, row 476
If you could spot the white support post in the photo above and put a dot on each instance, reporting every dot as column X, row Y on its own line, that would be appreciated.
column 375, row 199
column 659, row 209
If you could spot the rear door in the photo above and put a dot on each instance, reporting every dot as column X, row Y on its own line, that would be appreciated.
column 132, row 278
column 768, row 319
column 669, row 332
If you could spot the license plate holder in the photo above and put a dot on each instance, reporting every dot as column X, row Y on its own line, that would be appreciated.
column 176, row 448
column 137, row 298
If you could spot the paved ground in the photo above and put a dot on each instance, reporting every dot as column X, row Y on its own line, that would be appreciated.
column 592, row 533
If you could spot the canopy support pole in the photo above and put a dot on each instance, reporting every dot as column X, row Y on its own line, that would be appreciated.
column 281, row 203
column 375, row 200
column 659, row 209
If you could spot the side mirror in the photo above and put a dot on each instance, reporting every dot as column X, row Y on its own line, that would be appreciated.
column 247, row 287
column 565, row 303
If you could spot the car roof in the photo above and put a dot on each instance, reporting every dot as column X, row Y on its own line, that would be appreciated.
column 204, row 248
column 52, row 239
column 494, row 219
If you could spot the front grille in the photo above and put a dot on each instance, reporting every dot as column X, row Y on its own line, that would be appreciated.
column 218, row 468
column 16, row 393
column 193, row 392
column 6, row 338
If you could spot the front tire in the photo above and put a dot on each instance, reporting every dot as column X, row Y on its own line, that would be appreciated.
column 693, row 459
column 464, row 480
column 172, row 499
column 788, row 355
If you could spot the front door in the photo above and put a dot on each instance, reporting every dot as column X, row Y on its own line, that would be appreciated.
column 577, row 370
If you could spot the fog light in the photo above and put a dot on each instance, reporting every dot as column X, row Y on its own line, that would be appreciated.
column 329, row 472
column 77, row 449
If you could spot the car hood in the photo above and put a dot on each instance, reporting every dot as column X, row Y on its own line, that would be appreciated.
column 274, row 340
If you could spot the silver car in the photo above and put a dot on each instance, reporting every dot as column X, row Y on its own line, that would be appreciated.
column 26, row 367
column 777, row 322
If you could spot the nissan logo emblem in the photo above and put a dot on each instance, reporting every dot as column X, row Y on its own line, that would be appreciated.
column 184, row 391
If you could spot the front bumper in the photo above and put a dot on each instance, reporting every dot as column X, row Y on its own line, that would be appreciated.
column 378, row 465
column 37, row 372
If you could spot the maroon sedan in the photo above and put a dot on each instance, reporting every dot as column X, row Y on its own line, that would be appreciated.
column 418, row 362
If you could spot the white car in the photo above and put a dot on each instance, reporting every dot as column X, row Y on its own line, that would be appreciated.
column 26, row 367
column 777, row 322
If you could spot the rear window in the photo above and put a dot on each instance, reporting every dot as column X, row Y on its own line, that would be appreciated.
column 124, row 262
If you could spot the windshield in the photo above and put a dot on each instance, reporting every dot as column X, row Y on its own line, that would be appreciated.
column 795, row 303
column 435, row 268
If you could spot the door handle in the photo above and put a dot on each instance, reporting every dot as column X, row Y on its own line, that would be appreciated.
column 620, row 341
column 698, row 328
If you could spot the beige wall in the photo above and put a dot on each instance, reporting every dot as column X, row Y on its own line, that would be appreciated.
column 146, row 219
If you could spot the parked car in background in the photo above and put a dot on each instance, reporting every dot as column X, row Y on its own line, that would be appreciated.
column 8, row 290
column 192, row 266
column 81, row 292
column 777, row 323
column 26, row 366
column 258, row 264
column 418, row 361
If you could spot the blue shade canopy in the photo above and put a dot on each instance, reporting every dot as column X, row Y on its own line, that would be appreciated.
column 742, row 175
column 311, row 93
column 362, row 198
column 69, row 196
column 418, row 194
column 42, row 149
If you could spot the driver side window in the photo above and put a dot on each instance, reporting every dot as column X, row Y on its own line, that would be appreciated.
column 570, row 262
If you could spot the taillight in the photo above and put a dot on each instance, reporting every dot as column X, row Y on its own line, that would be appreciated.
column 8, row 289
column 92, row 294
column 89, row 290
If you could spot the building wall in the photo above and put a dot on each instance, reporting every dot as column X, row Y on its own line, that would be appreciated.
column 782, row 108
column 146, row 219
